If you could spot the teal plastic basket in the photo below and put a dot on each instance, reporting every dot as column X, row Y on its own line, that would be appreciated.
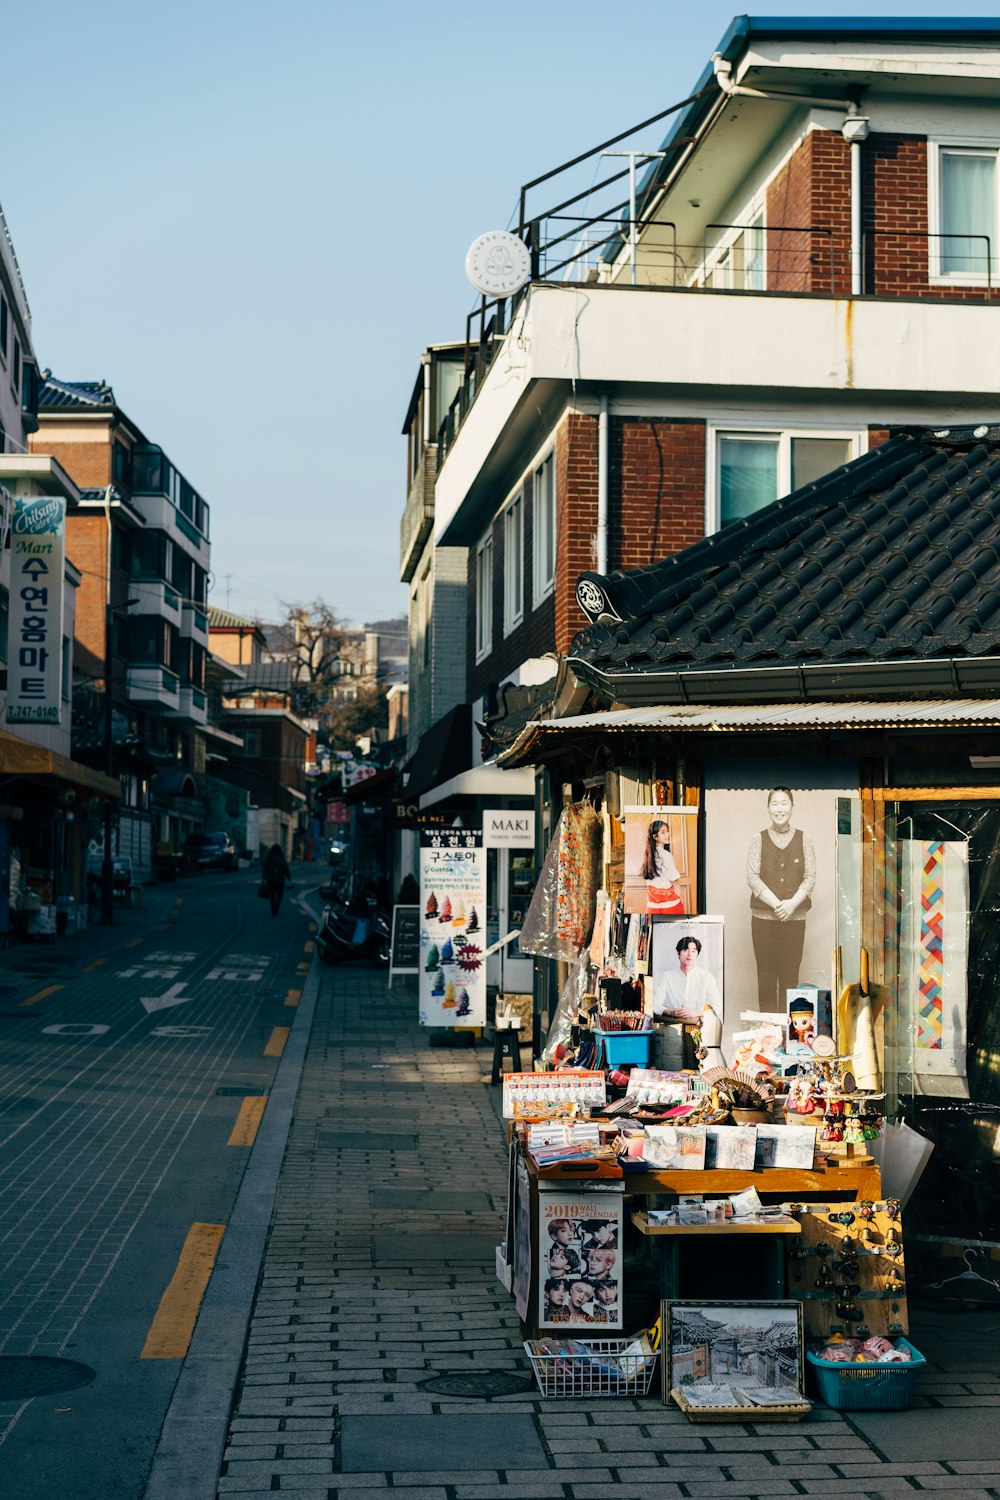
column 625, row 1047
column 866, row 1387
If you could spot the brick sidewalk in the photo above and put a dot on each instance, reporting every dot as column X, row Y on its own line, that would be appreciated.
column 379, row 1274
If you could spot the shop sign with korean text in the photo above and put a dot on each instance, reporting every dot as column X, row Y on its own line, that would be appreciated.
column 508, row 828
column 452, row 980
column 34, row 653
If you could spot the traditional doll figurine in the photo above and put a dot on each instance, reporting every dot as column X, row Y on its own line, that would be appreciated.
column 853, row 1133
column 800, row 1097
column 710, row 1051
column 801, row 1025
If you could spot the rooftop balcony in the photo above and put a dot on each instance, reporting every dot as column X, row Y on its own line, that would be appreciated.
column 702, row 347
column 167, row 501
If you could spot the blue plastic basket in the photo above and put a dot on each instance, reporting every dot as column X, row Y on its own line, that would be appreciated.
column 866, row 1387
column 625, row 1047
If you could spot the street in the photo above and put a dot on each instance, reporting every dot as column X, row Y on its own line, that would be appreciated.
column 134, row 1063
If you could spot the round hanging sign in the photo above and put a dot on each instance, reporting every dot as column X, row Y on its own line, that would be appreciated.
column 498, row 263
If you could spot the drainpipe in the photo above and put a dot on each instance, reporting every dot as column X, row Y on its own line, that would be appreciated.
column 723, row 77
column 855, row 130
column 602, row 488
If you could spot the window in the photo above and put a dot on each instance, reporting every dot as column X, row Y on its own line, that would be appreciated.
column 738, row 261
column 964, row 204
column 752, row 469
column 3, row 325
column 543, row 517
column 513, row 565
column 251, row 741
column 121, row 463
column 484, row 597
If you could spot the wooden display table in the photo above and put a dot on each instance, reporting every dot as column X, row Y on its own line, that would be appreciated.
column 850, row 1182
column 672, row 1234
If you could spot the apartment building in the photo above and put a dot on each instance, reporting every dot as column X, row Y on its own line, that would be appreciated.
column 808, row 260
column 140, row 534
column 51, row 803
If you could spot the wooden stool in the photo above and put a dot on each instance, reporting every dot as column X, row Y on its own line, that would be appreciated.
column 506, row 1046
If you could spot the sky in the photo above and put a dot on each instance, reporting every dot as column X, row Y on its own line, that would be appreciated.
column 251, row 220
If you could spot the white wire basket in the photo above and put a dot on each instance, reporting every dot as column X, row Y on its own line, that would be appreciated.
column 602, row 1367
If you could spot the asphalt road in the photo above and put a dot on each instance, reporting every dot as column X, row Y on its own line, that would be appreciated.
column 127, row 1055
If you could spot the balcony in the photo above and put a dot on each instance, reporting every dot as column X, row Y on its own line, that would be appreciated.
column 194, row 623
column 717, row 349
column 153, row 596
column 191, row 704
column 155, row 687
column 418, row 517
column 166, row 500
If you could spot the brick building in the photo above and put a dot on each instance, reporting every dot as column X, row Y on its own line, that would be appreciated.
column 140, row 534
column 814, row 263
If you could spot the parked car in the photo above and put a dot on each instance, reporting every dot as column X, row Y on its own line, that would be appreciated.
column 209, row 851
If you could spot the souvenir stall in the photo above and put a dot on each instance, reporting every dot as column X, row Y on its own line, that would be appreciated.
column 664, row 1112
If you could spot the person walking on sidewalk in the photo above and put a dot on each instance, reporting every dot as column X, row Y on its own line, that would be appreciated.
column 275, row 873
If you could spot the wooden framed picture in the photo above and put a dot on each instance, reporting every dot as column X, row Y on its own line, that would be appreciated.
column 734, row 1361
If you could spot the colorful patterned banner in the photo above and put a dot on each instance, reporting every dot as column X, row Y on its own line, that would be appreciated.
column 933, row 964
column 931, row 1003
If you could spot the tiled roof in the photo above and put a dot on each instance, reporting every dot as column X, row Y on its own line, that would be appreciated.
column 893, row 556
column 224, row 619
column 74, row 393
column 272, row 676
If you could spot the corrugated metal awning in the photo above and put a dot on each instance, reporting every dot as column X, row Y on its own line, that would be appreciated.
column 955, row 713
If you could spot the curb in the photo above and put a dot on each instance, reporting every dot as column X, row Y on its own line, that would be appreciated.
column 188, row 1456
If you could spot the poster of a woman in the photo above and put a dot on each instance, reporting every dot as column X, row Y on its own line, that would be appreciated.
column 781, row 874
column 661, row 860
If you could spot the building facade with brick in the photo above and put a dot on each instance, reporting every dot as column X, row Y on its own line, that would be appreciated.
column 815, row 262
column 141, row 534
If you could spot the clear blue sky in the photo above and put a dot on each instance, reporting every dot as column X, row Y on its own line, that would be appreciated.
column 251, row 218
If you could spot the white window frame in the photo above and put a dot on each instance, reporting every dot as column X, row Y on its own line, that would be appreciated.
column 719, row 259
column 484, row 615
column 542, row 586
column 513, row 563
column 980, row 145
column 764, row 432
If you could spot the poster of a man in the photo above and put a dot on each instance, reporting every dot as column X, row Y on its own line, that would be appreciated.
column 687, row 967
column 661, row 866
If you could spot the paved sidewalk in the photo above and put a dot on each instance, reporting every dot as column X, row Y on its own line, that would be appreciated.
column 379, row 1274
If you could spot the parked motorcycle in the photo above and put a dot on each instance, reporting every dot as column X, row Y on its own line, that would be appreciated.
column 346, row 934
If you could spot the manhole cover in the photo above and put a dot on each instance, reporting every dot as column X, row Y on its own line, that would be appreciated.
column 25, row 1375
column 477, row 1384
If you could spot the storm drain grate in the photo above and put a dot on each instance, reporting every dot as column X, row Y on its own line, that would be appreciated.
column 25, row 1375
column 478, row 1384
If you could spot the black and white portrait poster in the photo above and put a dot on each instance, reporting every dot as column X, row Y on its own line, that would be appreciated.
column 770, row 869
column 580, row 1259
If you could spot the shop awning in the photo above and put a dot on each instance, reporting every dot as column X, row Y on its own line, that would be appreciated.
column 957, row 713
column 483, row 781
column 443, row 751
column 22, row 758
column 382, row 783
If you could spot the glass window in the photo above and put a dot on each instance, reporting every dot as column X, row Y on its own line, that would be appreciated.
column 754, row 468
column 513, row 565
column 748, row 475
column 543, row 515
column 812, row 457
column 484, row 597
column 968, row 211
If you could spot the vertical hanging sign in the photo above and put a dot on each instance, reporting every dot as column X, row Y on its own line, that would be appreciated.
column 452, row 903
column 34, row 652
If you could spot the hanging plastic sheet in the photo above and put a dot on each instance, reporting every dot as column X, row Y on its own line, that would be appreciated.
column 559, row 1042
column 560, row 917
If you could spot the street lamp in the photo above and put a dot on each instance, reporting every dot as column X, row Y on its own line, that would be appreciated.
column 107, row 863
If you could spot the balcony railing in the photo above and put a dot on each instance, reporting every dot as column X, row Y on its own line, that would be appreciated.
column 776, row 260
column 418, row 515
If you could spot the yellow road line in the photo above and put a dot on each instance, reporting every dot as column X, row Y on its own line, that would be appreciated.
column 171, row 1329
column 302, row 968
column 135, row 942
column 313, row 927
column 309, row 947
column 49, row 990
column 248, row 1121
column 95, row 965
column 276, row 1041
column 293, row 997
